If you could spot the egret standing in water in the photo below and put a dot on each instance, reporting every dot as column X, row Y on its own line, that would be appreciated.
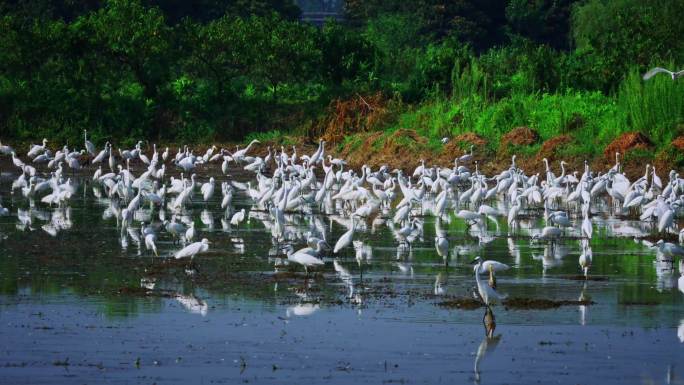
column 441, row 243
column 585, row 260
column 150, row 240
column 346, row 238
column 238, row 217
column 488, row 294
column 302, row 258
column 491, row 267
column 193, row 249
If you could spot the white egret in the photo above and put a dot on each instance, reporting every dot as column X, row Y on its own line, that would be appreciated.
column 346, row 238
column 193, row 249
column 303, row 258
column 488, row 294
column 150, row 240
column 238, row 217
column 89, row 146
column 657, row 70
column 491, row 267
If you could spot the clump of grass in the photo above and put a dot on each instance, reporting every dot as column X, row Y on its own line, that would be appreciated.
column 590, row 117
column 350, row 142
column 654, row 107
column 273, row 136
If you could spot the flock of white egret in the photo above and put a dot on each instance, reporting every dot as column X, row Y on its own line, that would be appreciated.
column 286, row 182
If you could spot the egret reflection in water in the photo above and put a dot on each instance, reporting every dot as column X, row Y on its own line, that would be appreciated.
column 488, row 344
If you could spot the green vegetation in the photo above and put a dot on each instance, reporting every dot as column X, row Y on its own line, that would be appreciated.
column 209, row 70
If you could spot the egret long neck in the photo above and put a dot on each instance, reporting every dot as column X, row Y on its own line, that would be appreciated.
column 477, row 273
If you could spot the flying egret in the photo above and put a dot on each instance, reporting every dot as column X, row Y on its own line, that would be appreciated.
column 657, row 70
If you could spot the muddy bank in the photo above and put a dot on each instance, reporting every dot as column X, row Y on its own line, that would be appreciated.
column 404, row 149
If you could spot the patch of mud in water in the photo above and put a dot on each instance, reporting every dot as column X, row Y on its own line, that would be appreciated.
column 463, row 303
column 541, row 304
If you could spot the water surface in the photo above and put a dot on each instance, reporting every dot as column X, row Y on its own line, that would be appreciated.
column 80, row 303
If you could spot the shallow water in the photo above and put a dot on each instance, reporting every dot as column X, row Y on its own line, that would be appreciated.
column 80, row 304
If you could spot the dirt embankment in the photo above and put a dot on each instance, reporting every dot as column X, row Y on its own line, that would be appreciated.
column 405, row 148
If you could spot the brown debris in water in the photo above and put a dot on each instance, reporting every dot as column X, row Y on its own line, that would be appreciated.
column 463, row 303
column 541, row 304
column 141, row 292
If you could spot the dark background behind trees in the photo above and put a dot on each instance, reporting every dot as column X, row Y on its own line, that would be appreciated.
column 196, row 70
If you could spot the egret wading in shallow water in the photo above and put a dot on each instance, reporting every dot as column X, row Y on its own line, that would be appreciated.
column 190, row 233
column 488, row 295
column 346, row 239
column 585, row 258
column 150, row 244
column 548, row 233
column 441, row 243
column 238, row 217
column 490, row 267
column 193, row 249
column 303, row 258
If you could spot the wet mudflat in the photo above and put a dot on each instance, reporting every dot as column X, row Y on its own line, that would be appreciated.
column 80, row 302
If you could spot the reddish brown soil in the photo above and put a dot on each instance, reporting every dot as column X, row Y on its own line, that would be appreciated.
column 460, row 145
column 627, row 142
column 468, row 137
column 678, row 143
column 550, row 148
column 520, row 136
column 632, row 164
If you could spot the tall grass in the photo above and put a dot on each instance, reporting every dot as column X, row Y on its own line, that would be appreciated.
column 468, row 80
column 590, row 117
column 654, row 107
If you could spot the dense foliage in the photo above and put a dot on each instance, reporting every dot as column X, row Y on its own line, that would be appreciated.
column 221, row 69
